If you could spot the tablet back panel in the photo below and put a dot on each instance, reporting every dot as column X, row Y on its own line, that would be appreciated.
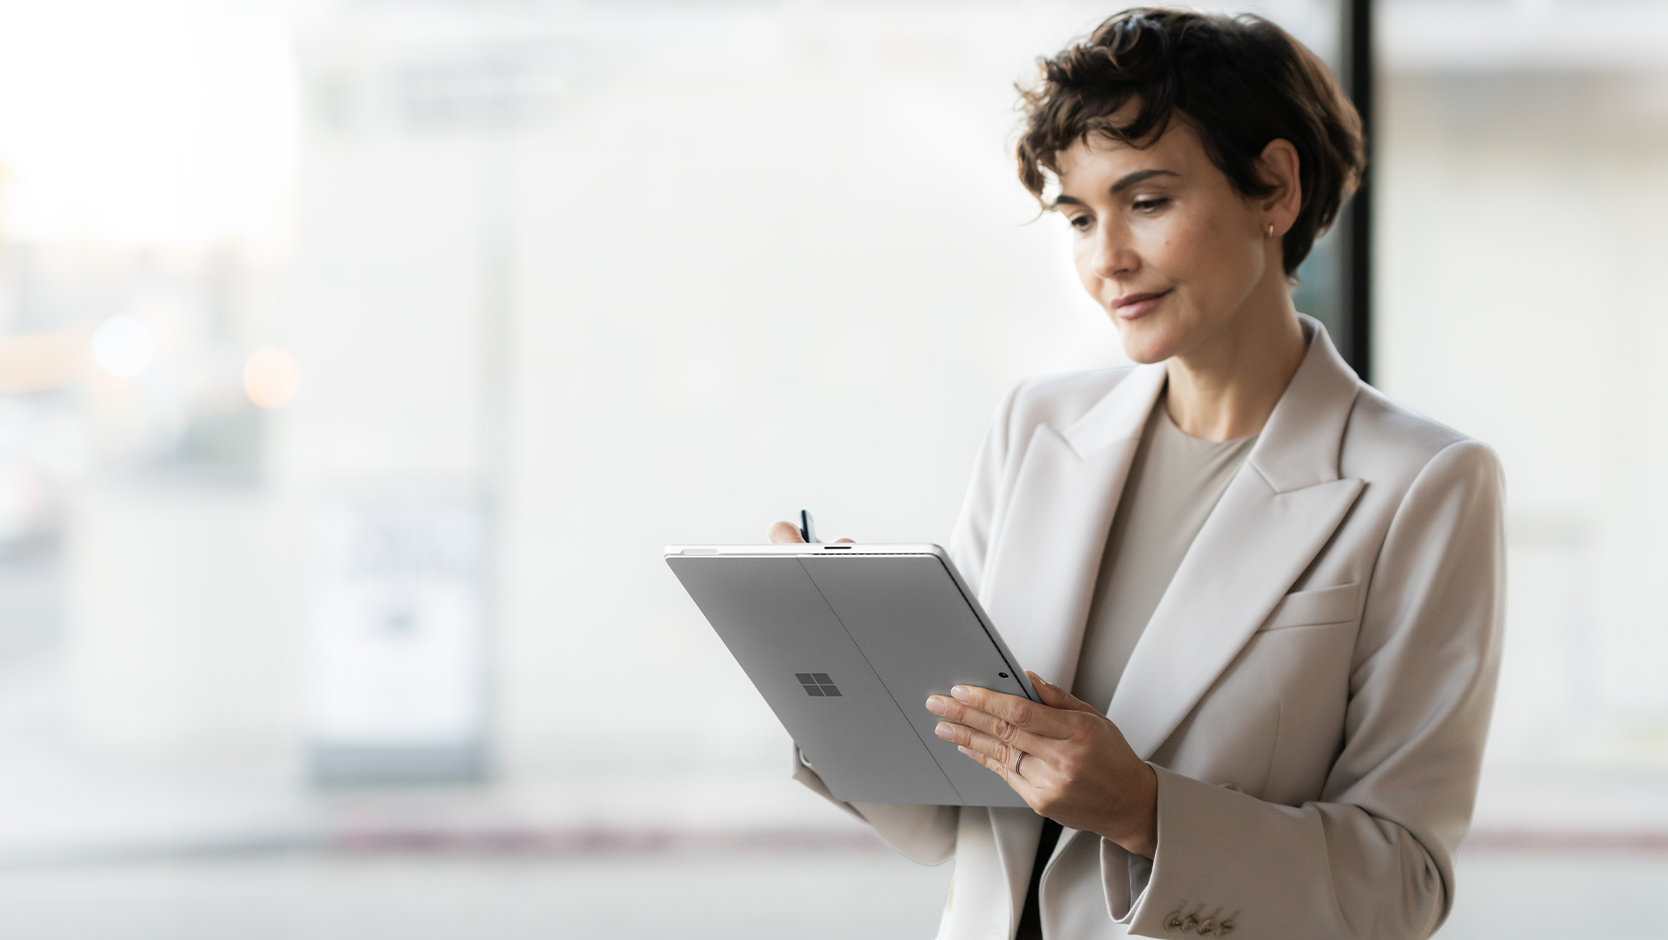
column 921, row 637
column 779, row 628
column 884, row 631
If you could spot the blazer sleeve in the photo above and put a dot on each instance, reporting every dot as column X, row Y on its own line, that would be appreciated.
column 1373, row 857
column 927, row 834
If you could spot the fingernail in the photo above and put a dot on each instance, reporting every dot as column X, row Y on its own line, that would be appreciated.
column 944, row 731
column 960, row 692
column 965, row 749
column 936, row 704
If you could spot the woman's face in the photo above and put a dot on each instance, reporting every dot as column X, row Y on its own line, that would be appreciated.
column 1165, row 244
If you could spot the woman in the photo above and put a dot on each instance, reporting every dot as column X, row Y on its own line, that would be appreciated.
column 1267, row 600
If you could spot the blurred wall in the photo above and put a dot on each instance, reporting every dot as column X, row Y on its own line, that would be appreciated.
column 619, row 276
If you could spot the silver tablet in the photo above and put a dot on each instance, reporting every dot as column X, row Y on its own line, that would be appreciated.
column 845, row 642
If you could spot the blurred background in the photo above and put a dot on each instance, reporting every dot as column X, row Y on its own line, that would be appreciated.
column 357, row 357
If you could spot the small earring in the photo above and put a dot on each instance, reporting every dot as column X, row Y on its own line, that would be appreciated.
column 1270, row 230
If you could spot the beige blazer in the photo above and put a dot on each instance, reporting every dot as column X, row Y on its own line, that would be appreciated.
column 1313, row 690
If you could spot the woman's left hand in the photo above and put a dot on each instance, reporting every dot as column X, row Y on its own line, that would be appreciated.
column 1066, row 759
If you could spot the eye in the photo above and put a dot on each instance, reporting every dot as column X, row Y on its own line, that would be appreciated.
column 1081, row 223
column 1150, row 204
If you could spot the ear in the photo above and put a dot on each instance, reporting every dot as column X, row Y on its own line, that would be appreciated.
column 1278, row 166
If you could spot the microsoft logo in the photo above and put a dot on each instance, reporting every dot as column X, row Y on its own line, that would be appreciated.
column 817, row 683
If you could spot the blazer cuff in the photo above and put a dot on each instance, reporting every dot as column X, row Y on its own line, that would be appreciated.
column 807, row 775
column 1125, row 875
column 1225, row 857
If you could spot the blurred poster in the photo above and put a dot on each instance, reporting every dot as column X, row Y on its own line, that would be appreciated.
column 398, row 624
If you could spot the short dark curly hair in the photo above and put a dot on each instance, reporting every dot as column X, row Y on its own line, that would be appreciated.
column 1239, row 81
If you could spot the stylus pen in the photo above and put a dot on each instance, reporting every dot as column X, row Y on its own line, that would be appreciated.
column 807, row 526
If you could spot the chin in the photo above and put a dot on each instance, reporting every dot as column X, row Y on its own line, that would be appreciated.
column 1142, row 346
column 1143, row 357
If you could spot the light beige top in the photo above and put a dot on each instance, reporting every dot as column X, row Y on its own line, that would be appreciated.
column 1174, row 483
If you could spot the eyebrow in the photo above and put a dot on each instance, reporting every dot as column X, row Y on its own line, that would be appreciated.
column 1124, row 182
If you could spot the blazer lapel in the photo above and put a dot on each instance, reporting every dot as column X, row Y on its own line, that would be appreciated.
column 1041, row 576
column 1253, row 546
column 1278, row 511
column 1276, row 514
column 1062, row 505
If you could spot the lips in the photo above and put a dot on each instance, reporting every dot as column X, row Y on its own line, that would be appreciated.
column 1130, row 306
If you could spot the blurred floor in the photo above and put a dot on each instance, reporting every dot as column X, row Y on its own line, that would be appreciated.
column 290, row 897
column 802, row 894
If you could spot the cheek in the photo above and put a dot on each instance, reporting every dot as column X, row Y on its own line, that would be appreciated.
column 1188, row 242
column 1238, row 244
column 1203, row 252
column 1167, row 245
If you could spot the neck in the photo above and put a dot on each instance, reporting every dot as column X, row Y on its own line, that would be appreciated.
column 1229, row 389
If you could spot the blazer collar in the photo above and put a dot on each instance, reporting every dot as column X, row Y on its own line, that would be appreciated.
column 1298, row 445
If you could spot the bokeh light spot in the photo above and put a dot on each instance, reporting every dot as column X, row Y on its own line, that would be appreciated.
column 269, row 378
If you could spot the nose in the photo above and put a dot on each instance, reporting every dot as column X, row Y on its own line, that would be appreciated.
column 1111, row 254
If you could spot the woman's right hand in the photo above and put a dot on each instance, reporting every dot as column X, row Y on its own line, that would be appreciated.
column 788, row 532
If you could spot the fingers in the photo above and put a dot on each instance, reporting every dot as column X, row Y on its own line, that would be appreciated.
column 1056, row 697
column 788, row 532
column 1012, row 709
column 1003, row 767
column 1006, row 718
column 785, row 532
column 1004, row 739
column 1000, row 757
